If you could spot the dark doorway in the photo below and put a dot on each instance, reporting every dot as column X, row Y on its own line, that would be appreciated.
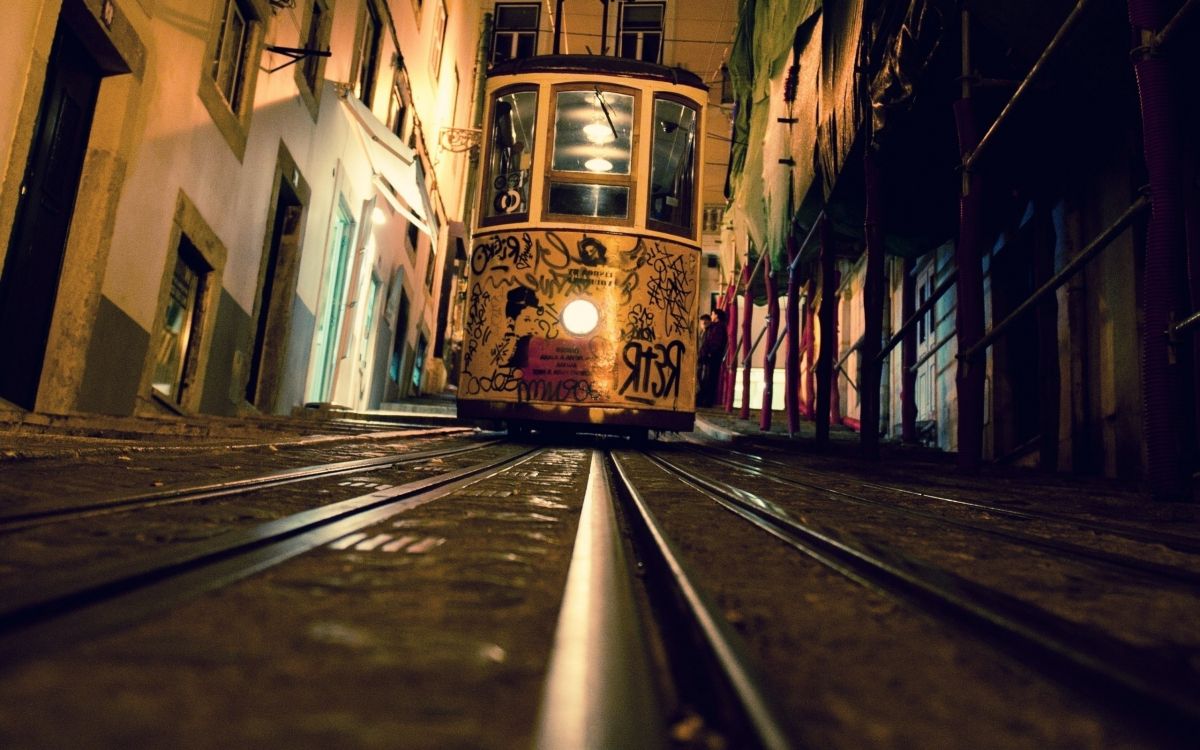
column 29, row 283
column 395, row 384
column 274, row 308
column 1017, row 354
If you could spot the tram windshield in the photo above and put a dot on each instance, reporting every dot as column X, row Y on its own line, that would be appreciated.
column 592, row 159
column 513, row 116
column 672, row 170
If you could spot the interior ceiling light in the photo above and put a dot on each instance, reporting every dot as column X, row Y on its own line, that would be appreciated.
column 596, row 164
column 599, row 133
column 379, row 216
column 580, row 317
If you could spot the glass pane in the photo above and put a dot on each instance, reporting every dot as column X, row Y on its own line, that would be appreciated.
column 592, row 132
column 511, row 154
column 177, row 325
column 642, row 17
column 512, row 17
column 650, row 46
column 610, row 201
column 672, row 172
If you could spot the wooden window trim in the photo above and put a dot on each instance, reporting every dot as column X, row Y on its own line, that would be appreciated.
column 630, row 180
column 688, row 232
column 234, row 126
column 310, row 94
column 485, row 190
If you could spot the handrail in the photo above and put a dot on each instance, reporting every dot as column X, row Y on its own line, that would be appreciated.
column 925, row 307
column 1066, row 28
column 1099, row 243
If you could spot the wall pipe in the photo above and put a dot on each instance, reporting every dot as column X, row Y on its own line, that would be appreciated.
column 1079, row 261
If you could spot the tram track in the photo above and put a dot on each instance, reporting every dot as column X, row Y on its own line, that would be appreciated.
column 15, row 521
column 1183, row 543
column 60, row 609
column 1152, row 681
column 1150, row 569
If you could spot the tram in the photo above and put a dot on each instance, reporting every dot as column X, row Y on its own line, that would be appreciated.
column 583, row 292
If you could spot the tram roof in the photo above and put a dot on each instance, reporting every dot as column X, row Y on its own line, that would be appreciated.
column 597, row 64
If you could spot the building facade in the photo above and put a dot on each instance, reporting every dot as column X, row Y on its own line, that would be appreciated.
column 231, row 206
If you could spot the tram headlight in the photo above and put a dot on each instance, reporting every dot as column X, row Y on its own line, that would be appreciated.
column 580, row 317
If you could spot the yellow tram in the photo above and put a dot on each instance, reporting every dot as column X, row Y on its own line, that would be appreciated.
column 583, row 294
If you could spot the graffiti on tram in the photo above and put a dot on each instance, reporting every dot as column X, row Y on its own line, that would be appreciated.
column 517, row 350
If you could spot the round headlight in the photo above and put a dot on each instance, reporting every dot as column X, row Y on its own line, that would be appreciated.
column 580, row 317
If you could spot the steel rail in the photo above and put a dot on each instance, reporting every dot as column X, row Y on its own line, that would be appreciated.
column 1178, row 542
column 599, row 691
column 725, row 647
column 193, row 493
column 58, row 609
column 1138, row 679
column 1124, row 563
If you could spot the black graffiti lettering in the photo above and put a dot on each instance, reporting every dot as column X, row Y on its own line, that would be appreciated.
column 577, row 391
column 653, row 369
column 502, row 249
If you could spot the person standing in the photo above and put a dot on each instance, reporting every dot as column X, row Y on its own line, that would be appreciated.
column 712, row 353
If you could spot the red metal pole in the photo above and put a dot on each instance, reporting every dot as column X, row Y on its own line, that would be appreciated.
column 828, row 317
column 791, row 362
column 969, row 308
column 732, row 351
column 870, row 368
column 747, row 326
column 808, row 345
column 908, row 356
column 764, row 420
column 1164, row 248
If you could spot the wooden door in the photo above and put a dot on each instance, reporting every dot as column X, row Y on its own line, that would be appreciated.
column 29, row 282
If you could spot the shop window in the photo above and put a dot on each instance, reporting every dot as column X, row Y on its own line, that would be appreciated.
column 673, row 167
column 592, row 159
column 514, row 35
column 640, row 35
column 179, row 338
column 368, row 51
column 510, row 156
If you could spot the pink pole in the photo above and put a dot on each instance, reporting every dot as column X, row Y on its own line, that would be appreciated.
column 747, row 325
column 764, row 419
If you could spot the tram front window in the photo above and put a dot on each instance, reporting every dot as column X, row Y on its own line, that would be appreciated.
column 513, row 117
column 672, row 172
column 591, row 165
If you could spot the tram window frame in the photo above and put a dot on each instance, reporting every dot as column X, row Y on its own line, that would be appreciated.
column 627, row 180
column 487, row 210
column 683, row 230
